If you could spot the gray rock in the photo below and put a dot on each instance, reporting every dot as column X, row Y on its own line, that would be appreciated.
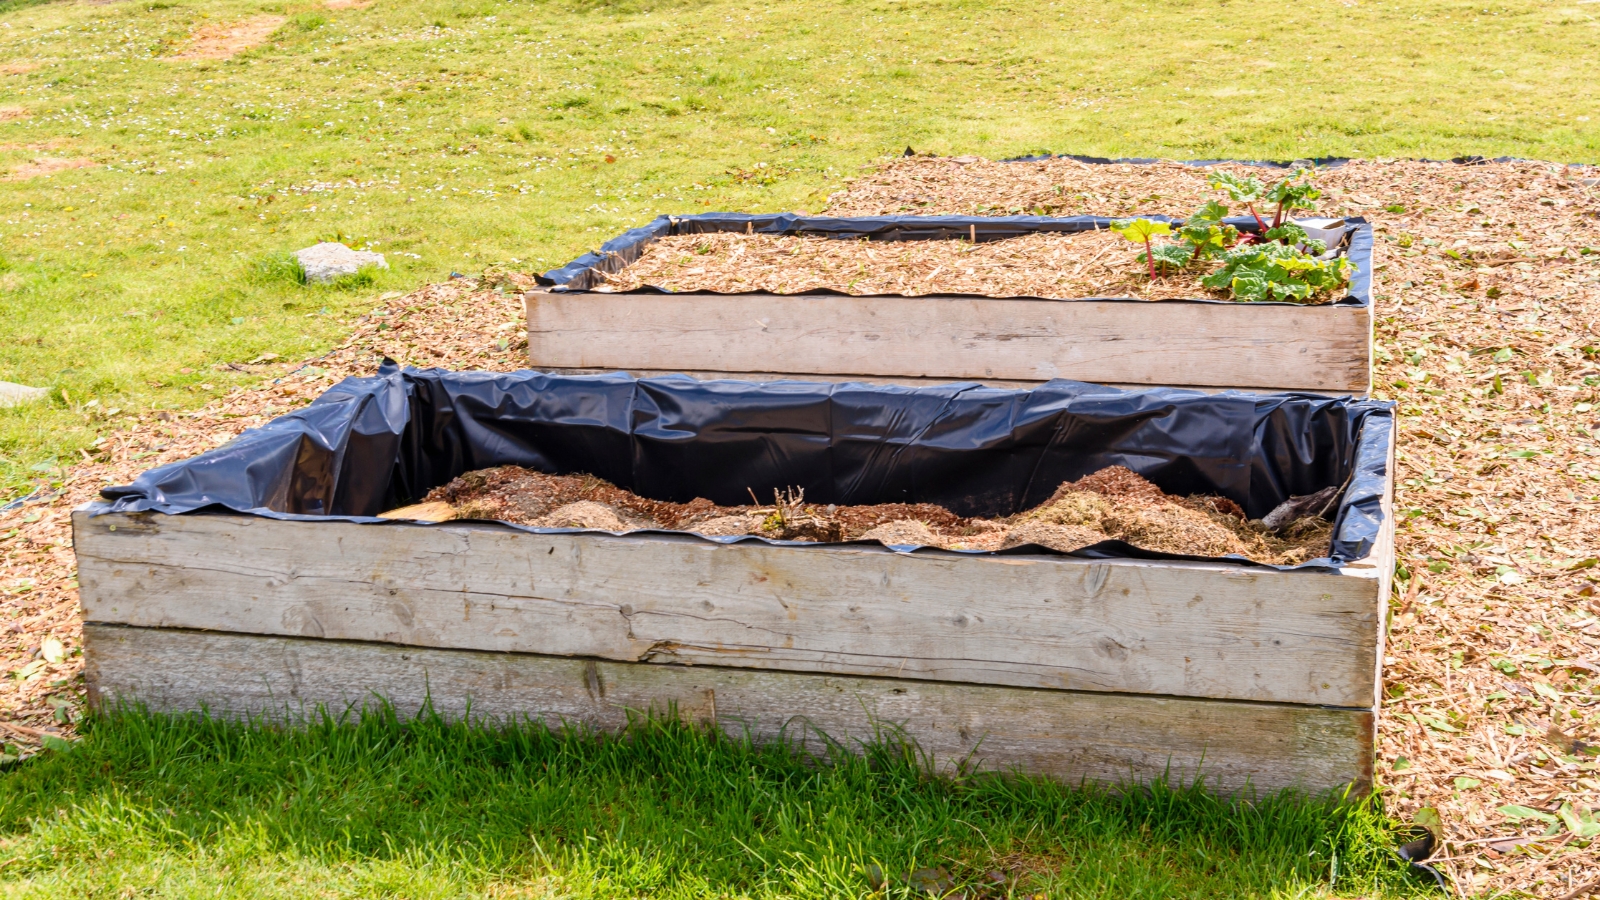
column 327, row 261
column 19, row 394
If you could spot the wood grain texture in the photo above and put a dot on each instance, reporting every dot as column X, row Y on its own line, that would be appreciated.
column 1065, row 735
column 1181, row 629
column 708, row 375
column 1321, row 348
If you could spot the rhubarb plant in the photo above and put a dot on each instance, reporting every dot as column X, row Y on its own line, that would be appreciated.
column 1246, row 190
column 1274, row 271
column 1290, row 194
column 1280, row 262
column 1138, row 230
column 1206, row 234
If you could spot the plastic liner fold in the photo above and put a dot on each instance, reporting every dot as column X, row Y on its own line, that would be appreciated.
column 371, row 444
column 585, row 273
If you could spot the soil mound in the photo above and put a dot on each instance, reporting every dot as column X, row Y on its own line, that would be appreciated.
column 1113, row 503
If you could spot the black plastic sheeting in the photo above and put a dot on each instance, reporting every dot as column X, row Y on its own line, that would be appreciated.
column 374, row 443
column 583, row 273
column 1321, row 162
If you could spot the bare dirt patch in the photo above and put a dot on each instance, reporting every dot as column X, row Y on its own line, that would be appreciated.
column 225, row 40
column 347, row 4
column 44, row 166
column 13, row 113
column 17, row 68
column 1113, row 503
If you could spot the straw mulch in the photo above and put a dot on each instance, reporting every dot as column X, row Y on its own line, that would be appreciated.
column 1087, row 264
column 1113, row 503
column 1488, row 335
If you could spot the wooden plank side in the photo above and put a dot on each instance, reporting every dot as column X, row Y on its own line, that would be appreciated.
column 708, row 375
column 1065, row 735
column 1324, row 348
column 1181, row 629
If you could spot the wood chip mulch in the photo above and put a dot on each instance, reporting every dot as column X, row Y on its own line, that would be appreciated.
column 1488, row 335
column 462, row 324
column 1087, row 264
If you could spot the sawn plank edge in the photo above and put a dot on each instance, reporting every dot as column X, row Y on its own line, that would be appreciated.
column 1067, row 736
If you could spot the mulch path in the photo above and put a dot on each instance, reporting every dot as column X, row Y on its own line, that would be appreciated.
column 1488, row 335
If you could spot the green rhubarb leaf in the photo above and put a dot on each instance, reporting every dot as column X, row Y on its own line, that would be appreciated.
column 1208, row 240
column 1287, row 233
column 1292, row 193
column 1212, row 213
column 1250, row 286
column 1240, row 190
column 1140, row 230
column 1170, row 256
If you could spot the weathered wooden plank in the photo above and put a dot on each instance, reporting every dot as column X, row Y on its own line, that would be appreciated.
column 1067, row 735
column 1323, row 348
column 1183, row 629
column 709, row 375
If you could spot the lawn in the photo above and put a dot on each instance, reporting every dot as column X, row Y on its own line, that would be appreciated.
column 451, row 136
column 153, row 806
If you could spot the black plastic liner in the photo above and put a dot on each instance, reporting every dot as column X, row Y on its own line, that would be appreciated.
column 1321, row 162
column 583, row 273
column 371, row 444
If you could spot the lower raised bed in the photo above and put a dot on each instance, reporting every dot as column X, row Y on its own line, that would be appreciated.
column 206, row 583
column 574, row 324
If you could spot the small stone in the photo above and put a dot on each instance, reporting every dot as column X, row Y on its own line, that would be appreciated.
column 20, row 394
column 328, row 261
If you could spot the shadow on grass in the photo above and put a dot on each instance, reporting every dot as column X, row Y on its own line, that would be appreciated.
column 361, row 805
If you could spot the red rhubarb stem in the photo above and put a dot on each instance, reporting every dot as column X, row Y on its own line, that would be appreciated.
column 1150, row 258
column 1259, row 223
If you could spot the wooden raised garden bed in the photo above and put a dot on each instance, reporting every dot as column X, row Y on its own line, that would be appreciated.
column 591, row 315
column 218, row 583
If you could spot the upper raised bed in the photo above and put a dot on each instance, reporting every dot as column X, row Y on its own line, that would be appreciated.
column 1015, row 334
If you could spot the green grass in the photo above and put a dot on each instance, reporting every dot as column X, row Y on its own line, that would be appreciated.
column 454, row 135
column 186, row 807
